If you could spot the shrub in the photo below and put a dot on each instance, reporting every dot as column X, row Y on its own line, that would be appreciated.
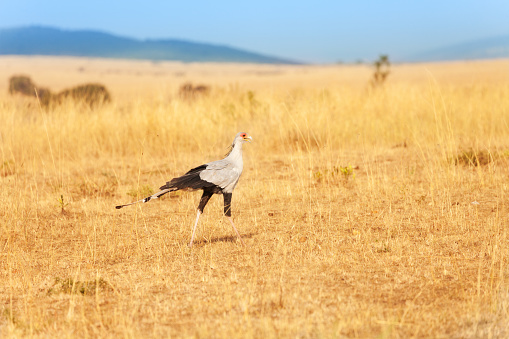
column 90, row 94
column 474, row 158
column 188, row 91
column 22, row 84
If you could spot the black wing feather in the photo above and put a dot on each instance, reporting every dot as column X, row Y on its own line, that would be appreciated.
column 189, row 181
column 197, row 169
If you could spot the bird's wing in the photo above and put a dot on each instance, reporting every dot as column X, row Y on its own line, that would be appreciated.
column 221, row 173
column 189, row 181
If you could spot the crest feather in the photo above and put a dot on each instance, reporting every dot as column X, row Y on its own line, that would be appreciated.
column 229, row 150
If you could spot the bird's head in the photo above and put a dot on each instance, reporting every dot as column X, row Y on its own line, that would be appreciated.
column 242, row 137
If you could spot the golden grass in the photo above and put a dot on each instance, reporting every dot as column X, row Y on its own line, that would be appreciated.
column 361, row 219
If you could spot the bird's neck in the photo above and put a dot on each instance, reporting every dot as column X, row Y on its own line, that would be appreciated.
column 236, row 153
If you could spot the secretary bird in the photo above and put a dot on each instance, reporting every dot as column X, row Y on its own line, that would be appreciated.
column 217, row 177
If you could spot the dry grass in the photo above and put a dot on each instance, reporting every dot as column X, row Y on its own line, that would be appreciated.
column 360, row 214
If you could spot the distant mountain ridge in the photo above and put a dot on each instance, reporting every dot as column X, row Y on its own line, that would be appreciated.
column 488, row 48
column 38, row 40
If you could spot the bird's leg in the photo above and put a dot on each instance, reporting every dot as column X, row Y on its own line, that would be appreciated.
column 194, row 228
column 228, row 212
column 203, row 201
column 238, row 235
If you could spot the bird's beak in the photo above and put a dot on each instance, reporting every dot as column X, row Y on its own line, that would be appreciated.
column 248, row 138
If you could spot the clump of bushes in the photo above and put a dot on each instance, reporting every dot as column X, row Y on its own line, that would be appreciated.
column 22, row 84
column 90, row 94
column 7, row 168
column 345, row 173
column 85, row 288
column 474, row 158
column 188, row 91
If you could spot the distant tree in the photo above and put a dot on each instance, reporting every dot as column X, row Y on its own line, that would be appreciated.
column 382, row 70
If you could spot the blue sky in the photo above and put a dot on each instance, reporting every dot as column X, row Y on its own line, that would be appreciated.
column 309, row 31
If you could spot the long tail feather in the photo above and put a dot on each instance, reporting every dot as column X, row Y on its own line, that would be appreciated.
column 147, row 199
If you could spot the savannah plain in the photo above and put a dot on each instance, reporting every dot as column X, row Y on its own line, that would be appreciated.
column 367, row 212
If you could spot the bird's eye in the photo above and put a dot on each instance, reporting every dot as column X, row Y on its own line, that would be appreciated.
column 243, row 135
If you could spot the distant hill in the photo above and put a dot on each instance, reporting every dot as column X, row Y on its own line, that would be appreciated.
column 38, row 40
column 489, row 48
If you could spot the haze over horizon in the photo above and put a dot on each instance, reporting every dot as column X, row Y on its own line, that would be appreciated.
column 323, row 32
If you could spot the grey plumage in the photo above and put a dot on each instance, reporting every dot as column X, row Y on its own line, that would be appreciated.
column 217, row 177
